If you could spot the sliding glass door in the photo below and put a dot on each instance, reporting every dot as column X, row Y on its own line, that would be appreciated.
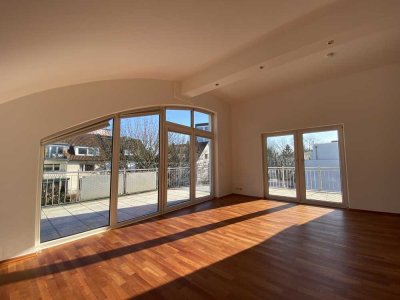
column 305, row 166
column 179, row 168
column 139, row 165
column 189, row 156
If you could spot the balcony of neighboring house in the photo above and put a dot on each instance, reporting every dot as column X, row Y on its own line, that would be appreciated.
column 74, row 202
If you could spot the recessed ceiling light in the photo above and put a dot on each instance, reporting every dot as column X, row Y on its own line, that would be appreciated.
column 331, row 42
column 217, row 84
column 261, row 67
column 330, row 54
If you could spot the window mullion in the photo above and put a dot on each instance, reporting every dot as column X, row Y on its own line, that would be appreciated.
column 299, row 155
column 115, row 171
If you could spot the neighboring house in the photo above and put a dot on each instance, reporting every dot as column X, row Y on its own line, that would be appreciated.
column 205, row 127
column 92, row 152
column 203, row 159
column 203, row 162
column 323, row 167
column 323, row 155
column 87, row 152
column 66, row 161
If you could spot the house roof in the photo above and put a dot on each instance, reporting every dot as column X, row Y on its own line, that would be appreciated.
column 87, row 140
column 99, row 141
column 84, row 158
column 201, row 146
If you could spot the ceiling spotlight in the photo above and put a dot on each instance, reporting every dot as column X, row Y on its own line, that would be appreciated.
column 261, row 67
column 331, row 42
column 330, row 54
column 217, row 84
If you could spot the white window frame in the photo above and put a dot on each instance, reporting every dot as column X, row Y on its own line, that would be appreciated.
column 99, row 123
column 96, row 151
column 299, row 166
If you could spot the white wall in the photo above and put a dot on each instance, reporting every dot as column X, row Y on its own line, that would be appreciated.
column 367, row 103
column 25, row 121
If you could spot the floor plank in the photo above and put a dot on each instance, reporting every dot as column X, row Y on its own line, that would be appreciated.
column 236, row 247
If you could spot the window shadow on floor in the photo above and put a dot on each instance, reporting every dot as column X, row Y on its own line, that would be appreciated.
column 121, row 251
column 340, row 255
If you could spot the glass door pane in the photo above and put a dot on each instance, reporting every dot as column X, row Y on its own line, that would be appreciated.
column 138, row 166
column 322, row 166
column 281, row 165
column 203, row 167
column 178, row 171
column 76, row 183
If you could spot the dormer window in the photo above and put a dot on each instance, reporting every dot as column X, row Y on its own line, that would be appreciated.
column 55, row 151
column 87, row 151
column 82, row 151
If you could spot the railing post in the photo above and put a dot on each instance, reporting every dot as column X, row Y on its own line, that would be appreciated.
column 47, row 188
column 78, row 196
column 320, row 178
column 124, row 181
column 283, row 176
column 52, row 192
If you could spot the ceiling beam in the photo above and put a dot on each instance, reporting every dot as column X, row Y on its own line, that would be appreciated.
column 342, row 22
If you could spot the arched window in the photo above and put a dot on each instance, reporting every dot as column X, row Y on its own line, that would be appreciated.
column 125, row 168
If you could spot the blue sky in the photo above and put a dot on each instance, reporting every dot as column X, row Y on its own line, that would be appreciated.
column 183, row 117
column 317, row 137
column 175, row 116
column 322, row 137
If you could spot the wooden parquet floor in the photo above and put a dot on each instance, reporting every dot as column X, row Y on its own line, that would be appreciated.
column 232, row 248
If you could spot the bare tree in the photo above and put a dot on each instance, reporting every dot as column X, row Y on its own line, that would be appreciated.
column 308, row 144
column 280, row 152
column 178, row 150
column 139, row 143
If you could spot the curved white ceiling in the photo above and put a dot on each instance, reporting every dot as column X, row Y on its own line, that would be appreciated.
column 207, row 45
column 47, row 44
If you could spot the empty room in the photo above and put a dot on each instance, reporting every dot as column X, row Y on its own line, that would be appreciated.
column 200, row 149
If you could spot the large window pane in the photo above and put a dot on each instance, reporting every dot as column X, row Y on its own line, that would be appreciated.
column 179, row 116
column 322, row 166
column 178, row 172
column 202, row 121
column 203, row 167
column 138, row 167
column 76, row 184
column 281, row 171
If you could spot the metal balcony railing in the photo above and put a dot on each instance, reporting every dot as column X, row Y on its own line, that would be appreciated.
column 317, row 178
column 70, row 187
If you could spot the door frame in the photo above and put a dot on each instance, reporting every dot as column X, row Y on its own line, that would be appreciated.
column 267, row 195
column 300, row 165
column 342, row 164
column 193, row 133
column 115, row 162
column 182, row 130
